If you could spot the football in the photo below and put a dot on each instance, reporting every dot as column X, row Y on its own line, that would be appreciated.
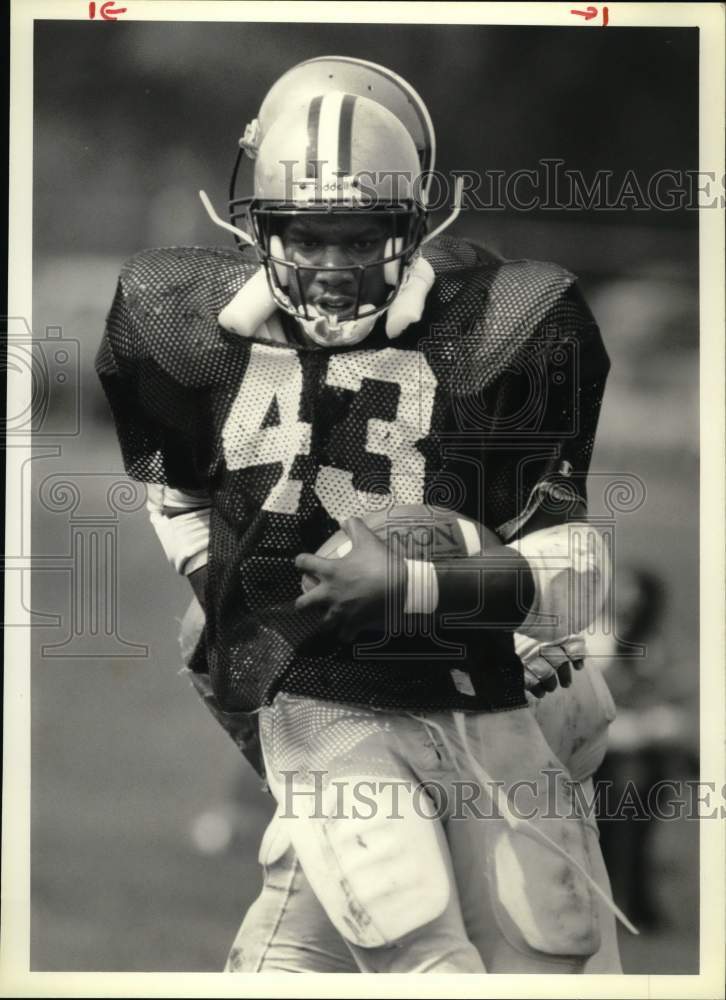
column 425, row 532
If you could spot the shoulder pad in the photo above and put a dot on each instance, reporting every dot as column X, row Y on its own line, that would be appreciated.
column 457, row 259
column 167, row 305
column 521, row 295
column 480, row 287
column 500, row 308
column 447, row 253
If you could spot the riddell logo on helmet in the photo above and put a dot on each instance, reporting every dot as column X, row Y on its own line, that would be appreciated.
column 345, row 188
column 366, row 187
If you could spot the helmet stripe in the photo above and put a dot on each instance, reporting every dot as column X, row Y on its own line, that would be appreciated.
column 345, row 135
column 413, row 98
column 311, row 153
column 330, row 114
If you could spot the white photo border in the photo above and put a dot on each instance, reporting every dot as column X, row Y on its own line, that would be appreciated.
column 15, row 977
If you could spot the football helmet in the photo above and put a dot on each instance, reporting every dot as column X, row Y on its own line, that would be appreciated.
column 352, row 76
column 336, row 154
column 345, row 136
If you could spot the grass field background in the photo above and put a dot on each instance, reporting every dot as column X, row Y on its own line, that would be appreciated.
column 125, row 758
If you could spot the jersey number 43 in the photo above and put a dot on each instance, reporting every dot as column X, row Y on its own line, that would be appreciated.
column 275, row 374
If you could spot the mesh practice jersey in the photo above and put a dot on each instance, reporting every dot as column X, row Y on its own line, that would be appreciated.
column 487, row 406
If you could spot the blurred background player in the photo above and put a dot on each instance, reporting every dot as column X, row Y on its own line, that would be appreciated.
column 651, row 740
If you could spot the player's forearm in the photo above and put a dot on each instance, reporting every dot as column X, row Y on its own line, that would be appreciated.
column 498, row 589
column 181, row 522
column 546, row 585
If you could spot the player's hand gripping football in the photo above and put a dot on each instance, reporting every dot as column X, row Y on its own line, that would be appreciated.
column 358, row 590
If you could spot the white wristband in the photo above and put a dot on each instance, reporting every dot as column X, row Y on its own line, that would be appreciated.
column 184, row 538
column 159, row 497
column 422, row 589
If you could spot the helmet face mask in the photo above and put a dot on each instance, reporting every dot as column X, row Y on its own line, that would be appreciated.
column 344, row 263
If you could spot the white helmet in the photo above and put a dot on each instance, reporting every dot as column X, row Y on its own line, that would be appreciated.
column 352, row 76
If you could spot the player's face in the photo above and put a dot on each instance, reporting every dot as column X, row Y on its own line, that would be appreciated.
column 330, row 248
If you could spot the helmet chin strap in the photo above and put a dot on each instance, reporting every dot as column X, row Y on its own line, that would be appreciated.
column 235, row 230
column 458, row 194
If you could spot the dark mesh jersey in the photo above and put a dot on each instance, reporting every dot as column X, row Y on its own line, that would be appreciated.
column 488, row 406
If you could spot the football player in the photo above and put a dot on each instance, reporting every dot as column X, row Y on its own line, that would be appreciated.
column 350, row 359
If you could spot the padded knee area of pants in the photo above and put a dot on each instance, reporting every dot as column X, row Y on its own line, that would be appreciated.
column 541, row 902
column 378, row 878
